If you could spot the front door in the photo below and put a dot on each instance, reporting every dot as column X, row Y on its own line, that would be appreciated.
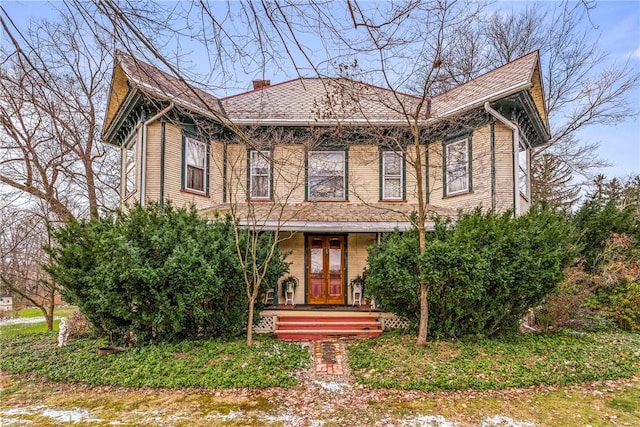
column 326, row 269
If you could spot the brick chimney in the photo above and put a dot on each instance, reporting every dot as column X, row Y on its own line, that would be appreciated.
column 259, row 84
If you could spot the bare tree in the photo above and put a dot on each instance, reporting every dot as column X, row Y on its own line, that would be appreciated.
column 53, row 81
column 22, row 260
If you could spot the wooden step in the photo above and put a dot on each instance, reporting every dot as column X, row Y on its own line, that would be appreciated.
column 307, row 334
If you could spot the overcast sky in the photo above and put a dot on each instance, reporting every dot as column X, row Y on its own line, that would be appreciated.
column 617, row 32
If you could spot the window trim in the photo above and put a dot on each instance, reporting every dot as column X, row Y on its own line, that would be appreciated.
column 131, row 146
column 267, row 154
column 345, row 175
column 468, row 175
column 205, row 178
column 401, row 176
column 522, row 172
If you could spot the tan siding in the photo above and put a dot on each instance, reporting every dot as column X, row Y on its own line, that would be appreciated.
column 288, row 174
column 153, row 161
column 411, row 175
column 504, row 167
column 295, row 244
column 364, row 174
column 173, row 172
column 357, row 245
column 236, row 173
column 480, row 194
column 216, row 168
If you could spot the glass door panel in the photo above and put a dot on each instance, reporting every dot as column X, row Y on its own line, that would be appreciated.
column 326, row 270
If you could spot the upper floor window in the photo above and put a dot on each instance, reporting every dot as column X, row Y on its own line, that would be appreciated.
column 326, row 175
column 392, row 175
column 523, row 164
column 195, row 162
column 130, row 169
column 260, row 174
column 457, row 167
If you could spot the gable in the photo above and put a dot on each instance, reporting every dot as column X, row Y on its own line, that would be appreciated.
column 117, row 93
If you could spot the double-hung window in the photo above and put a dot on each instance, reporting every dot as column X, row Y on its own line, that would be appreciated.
column 392, row 175
column 523, row 164
column 130, row 169
column 260, row 174
column 457, row 167
column 326, row 175
column 195, row 165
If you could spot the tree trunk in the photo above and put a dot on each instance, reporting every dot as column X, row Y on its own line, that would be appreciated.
column 252, row 302
column 424, row 315
column 423, row 328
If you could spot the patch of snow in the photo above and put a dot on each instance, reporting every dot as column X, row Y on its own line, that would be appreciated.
column 502, row 421
column 429, row 421
column 62, row 416
column 331, row 385
column 288, row 420
column 5, row 422
column 24, row 320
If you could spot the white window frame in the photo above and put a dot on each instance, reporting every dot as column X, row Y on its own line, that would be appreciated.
column 310, row 155
column 524, row 171
column 131, row 166
column 201, row 145
column 254, row 157
column 454, row 167
column 396, row 177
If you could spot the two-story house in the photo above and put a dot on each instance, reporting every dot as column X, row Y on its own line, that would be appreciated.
column 329, row 163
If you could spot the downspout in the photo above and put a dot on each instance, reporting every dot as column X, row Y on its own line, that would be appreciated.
column 516, row 149
column 143, row 180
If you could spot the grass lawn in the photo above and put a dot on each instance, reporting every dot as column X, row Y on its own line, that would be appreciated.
column 36, row 312
column 561, row 358
column 208, row 364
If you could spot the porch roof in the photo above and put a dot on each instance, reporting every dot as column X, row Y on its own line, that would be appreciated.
column 323, row 216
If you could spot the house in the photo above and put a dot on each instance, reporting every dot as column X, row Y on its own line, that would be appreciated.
column 329, row 163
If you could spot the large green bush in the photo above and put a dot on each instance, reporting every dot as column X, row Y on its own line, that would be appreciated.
column 156, row 274
column 484, row 271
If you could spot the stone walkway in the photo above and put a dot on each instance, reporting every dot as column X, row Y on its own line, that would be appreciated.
column 329, row 358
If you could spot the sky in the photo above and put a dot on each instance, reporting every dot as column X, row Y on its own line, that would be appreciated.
column 615, row 27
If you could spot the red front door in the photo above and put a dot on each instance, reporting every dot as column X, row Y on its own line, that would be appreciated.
column 325, row 269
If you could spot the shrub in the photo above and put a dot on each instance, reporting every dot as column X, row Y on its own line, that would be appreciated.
column 155, row 274
column 484, row 272
column 77, row 325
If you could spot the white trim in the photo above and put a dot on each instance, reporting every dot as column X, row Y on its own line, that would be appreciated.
column 516, row 147
column 185, row 166
column 396, row 176
column 467, row 162
column 344, row 175
column 266, row 155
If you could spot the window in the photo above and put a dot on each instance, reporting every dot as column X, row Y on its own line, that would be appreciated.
column 326, row 174
column 130, row 169
column 392, row 185
column 260, row 175
column 523, row 163
column 195, row 165
column 456, row 167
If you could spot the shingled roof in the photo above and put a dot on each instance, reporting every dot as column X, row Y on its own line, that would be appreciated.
column 318, row 100
column 324, row 100
column 158, row 84
column 510, row 78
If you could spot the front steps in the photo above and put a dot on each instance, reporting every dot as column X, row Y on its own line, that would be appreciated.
column 317, row 325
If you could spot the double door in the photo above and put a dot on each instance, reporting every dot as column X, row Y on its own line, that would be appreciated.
column 325, row 269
